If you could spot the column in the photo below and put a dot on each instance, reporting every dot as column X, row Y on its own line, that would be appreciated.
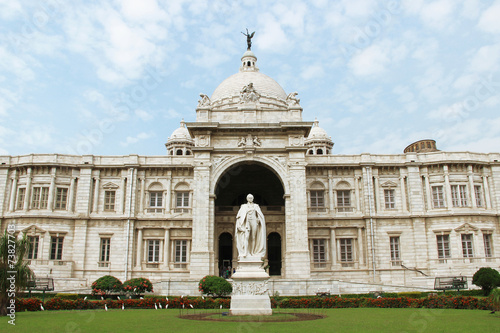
column 28, row 191
column 356, row 192
column 71, row 194
column 166, row 247
column 486, row 190
column 428, row 200
column 13, row 193
column 139, row 249
column 404, row 208
column 330, row 192
column 361, row 257
column 52, row 190
column 168, row 200
column 470, row 178
column 447, row 188
column 96, row 194
column 141, row 200
column 124, row 194
column 377, row 194
column 333, row 252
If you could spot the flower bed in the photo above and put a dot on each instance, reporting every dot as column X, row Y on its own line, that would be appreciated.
column 440, row 302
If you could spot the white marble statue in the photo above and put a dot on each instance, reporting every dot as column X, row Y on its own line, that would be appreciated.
column 250, row 230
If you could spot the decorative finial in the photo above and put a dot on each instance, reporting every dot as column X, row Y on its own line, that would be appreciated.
column 249, row 39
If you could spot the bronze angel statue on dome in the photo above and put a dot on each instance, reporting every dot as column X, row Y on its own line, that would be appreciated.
column 249, row 39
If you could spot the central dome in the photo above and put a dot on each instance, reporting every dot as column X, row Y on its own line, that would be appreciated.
column 263, row 84
column 249, row 73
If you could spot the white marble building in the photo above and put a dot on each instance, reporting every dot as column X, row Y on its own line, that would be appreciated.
column 348, row 223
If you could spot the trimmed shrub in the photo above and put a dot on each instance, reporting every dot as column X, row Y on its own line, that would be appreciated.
column 412, row 294
column 138, row 286
column 215, row 286
column 106, row 284
column 66, row 296
column 487, row 278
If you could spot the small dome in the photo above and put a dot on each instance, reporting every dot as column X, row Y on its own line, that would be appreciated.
column 180, row 133
column 317, row 133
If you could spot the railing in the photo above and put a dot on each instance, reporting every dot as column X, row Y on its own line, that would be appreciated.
column 103, row 264
column 345, row 209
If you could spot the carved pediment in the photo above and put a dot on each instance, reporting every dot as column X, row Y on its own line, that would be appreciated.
column 33, row 230
column 110, row 186
column 466, row 228
column 389, row 183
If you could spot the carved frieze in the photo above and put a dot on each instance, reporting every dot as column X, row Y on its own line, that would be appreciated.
column 250, row 288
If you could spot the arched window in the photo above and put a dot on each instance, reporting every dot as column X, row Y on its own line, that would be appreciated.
column 319, row 152
column 179, row 152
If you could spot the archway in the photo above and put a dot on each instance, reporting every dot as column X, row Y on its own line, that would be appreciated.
column 225, row 254
column 231, row 191
column 274, row 253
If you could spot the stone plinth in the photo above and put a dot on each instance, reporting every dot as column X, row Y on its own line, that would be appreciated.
column 250, row 290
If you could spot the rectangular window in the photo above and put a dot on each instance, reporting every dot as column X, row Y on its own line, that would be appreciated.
column 33, row 247
column 346, row 250
column 155, row 199
column 459, row 195
column 443, row 246
column 105, row 248
column 319, row 251
column 109, row 200
column 154, row 250
column 20, row 198
column 182, row 199
column 317, row 201
column 61, row 198
column 56, row 247
column 344, row 198
column 467, row 246
column 479, row 195
column 39, row 198
column 488, row 248
column 395, row 254
column 437, row 197
column 390, row 203
column 181, row 251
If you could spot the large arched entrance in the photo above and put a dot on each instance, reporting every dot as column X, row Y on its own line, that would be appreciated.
column 230, row 193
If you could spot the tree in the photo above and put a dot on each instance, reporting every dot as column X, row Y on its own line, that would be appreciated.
column 14, row 270
column 215, row 286
column 487, row 278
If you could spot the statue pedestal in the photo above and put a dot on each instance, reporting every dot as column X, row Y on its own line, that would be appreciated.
column 250, row 290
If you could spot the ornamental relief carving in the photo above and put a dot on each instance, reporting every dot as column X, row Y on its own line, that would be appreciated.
column 250, row 288
column 296, row 140
column 249, row 141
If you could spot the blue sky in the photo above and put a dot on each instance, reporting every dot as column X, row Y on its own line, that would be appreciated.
column 116, row 77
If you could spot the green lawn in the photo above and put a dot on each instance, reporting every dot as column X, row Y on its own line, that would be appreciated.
column 338, row 320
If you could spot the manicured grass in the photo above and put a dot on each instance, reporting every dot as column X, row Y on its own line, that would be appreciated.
column 338, row 320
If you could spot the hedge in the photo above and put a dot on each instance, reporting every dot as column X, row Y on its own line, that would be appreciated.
column 443, row 302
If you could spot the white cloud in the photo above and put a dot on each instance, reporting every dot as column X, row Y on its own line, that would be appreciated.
column 16, row 65
column 486, row 59
column 272, row 38
column 449, row 112
column 312, row 72
column 489, row 20
column 438, row 14
column 144, row 115
column 10, row 8
column 134, row 139
column 370, row 61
